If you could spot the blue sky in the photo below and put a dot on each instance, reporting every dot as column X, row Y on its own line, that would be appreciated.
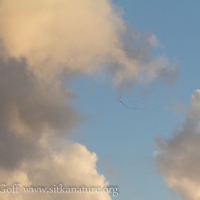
column 124, row 138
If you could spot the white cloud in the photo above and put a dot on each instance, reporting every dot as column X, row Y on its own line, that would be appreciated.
column 72, row 166
column 43, row 42
column 76, row 37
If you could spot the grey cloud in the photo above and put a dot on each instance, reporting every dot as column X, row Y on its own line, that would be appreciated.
column 27, row 106
column 178, row 158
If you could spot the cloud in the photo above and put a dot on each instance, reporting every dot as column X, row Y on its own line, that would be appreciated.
column 71, row 166
column 30, row 107
column 78, row 37
column 178, row 157
column 42, row 44
column 178, row 108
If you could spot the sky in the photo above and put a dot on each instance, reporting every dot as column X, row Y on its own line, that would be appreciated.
column 100, row 93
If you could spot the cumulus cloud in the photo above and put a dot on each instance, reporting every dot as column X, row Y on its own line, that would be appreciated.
column 77, row 37
column 42, row 43
column 72, row 166
column 178, row 158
